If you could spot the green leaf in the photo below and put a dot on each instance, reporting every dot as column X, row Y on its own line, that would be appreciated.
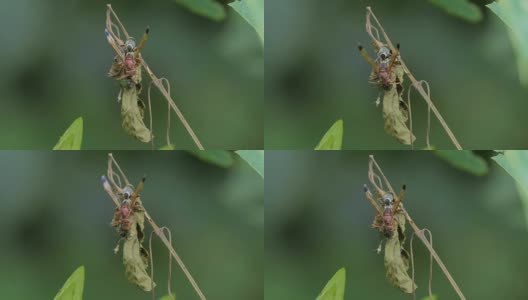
column 434, row 297
column 514, row 14
column 460, row 8
column 333, row 138
column 206, row 8
column 515, row 162
column 464, row 160
column 168, row 147
column 221, row 158
column 255, row 158
column 335, row 288
column 72, row 137
column 169, row 297
column 73, row 287
column 253, row 12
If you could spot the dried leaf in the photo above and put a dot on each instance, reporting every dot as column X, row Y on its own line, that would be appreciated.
column 132, row 114
column 135, row 257
column 396, row 116
column 132, row 108
column 333, row 138
column 397, row 258
column 73, row 287
column 335, row 288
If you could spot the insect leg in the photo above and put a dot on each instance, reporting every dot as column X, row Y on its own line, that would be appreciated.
column 367, row 57
column 116, row 220
column 394, row 55
column 138, row 190
column 399, row 199
column 368, row 194
column 141, row 43
column 378, row 250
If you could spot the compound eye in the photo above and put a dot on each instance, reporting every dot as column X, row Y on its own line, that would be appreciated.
column 388, row 199
column 130, row 45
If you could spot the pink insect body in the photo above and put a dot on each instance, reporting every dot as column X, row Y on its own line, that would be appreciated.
column 388, row 226
column 130, row 65
column 125, row 212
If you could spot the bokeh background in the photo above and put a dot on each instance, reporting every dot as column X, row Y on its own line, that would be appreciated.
column 55, row 217
column 318, row 220
column 315, row 75
column 55, row 58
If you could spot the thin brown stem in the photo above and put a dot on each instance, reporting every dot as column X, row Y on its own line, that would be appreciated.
column 112, row 160
column 152, row 264
column 430, row 263
column 165, row 241
column 419, row 233
column 155, row 79
column 415, row 82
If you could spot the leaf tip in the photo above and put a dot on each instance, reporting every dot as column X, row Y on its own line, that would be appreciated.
column 333, row 138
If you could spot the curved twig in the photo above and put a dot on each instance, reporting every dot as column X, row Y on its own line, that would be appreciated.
column 152, row 264
column 425, row 230
column 155, row 80
column 415, row 82
column 419, row 233
column 157, row 230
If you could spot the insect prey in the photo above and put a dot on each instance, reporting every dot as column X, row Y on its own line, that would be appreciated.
column 129, row 219
column 387, row 207
column 129, row 205
column 126, row 69
column 388, row 73
column 382, row 66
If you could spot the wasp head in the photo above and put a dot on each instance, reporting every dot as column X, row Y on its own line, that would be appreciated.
column 384, row 54
column 388, row 199
column 127, row 193
column 130, row 45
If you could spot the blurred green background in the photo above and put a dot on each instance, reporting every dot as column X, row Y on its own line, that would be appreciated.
column 55, row 58
column 56, row 216
column 315, row 75
column 318, row 220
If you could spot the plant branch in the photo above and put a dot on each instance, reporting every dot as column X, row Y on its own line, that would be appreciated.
column 109, row 27
column 419, row 233
column 159, row 232
column 415, row 82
